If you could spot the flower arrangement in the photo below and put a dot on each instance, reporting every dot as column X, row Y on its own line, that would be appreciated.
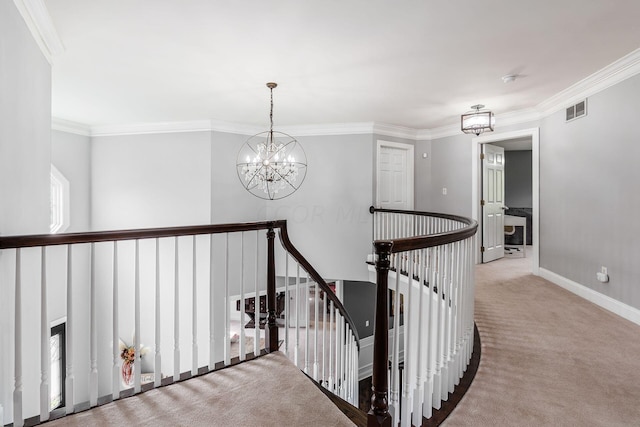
column 128, row 356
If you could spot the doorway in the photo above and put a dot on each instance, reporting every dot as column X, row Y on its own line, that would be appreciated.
column 394, row 175
column 507, row 139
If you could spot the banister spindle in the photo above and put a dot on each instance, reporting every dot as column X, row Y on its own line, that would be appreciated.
column 243, row 352
column 212, row 335
column 271, row 329
column 93, row 334
column 18, row 419
column 137, row 367
column 256, row 325
column 115, row 336
column 157, row 379
column 176, row 313
column 227, row 316
column 45, row 337
column 69, row 380
column 379, row 413
column 194, row 312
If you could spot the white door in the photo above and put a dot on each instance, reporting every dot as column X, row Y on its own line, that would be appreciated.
column 492, row 202
column 395, row 176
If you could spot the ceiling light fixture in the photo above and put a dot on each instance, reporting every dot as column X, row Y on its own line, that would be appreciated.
column 477, row 121
column 271, row 165
column 509, row 78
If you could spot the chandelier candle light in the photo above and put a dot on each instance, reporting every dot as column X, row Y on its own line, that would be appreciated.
column 271, row 165
column 477, row 121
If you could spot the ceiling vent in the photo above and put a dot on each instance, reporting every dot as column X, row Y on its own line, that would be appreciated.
column 576, row 111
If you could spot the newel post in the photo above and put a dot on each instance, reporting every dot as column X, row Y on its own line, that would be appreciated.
column 271, row 329
column 379, row 413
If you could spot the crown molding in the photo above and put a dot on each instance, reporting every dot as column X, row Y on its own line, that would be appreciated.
column 40, row 24
column 328, row 129
column 616, row 72
column 146, row 128
column 69, row 126
column 397, row 131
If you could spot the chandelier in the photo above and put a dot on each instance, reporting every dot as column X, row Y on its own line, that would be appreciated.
column 271, row 165
column 476, row 121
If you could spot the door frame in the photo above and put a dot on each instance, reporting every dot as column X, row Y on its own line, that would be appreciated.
column 409, row 148
column 476, row 189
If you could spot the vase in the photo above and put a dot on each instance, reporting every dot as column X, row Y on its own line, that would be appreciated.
column 127, row 374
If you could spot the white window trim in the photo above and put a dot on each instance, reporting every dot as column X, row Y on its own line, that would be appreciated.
column 60, row 202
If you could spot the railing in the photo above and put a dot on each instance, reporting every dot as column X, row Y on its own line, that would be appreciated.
column 426, row 259
column 168, row 286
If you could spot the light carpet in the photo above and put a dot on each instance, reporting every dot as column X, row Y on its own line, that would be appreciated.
column 549, row 357
column 268, row 391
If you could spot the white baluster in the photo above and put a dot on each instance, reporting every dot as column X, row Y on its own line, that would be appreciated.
column 287, row 305
column 212, row 294
column 427, row 406
column 194, row 311
column 176, row 312
column 296, row 348
column 316, row 315
column 307, row 325
column 418, row 395
column 115, row 384
column 137, row 366
column 18, row 419
column 93, row 334
column 157, row 379
column 331, row 338
column 227, row 317
column 45, row 338
column 409, row 357
column 69, row 380
column 242, row 354
column 437, row 387
column 256, row 340
column 324, row 339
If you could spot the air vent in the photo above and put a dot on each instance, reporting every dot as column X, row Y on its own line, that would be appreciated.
column 576, row 111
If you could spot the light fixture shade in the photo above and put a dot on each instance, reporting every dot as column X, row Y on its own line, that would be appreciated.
column 477, row 121
column 271, row 165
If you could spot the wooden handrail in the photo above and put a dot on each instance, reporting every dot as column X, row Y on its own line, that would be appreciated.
column 26, row 241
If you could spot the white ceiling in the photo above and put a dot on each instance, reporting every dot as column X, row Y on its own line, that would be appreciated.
column 411, row 63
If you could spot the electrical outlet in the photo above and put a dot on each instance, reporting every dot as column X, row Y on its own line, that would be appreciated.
column 603, row 275
column 444, row 191
column 366, row 323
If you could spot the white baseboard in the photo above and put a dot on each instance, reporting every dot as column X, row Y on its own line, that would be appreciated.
column 621, row 309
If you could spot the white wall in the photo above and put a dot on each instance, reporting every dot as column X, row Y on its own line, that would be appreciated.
column 25, row 155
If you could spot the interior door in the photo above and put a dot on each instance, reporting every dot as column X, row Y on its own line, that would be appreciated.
column 492, row 202
column 395, row 176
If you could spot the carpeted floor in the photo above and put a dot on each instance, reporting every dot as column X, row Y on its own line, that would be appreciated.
column 269, row 391
column 549, row 358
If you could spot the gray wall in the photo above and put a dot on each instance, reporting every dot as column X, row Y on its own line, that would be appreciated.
column 423, row 177
column 451, row 169
column 589, row 196
column 190, row 178
column 359, row 299
column 517, row 182
column 25, row 158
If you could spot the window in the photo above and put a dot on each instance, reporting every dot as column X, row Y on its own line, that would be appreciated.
column 58, row 367
column 59, row 199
